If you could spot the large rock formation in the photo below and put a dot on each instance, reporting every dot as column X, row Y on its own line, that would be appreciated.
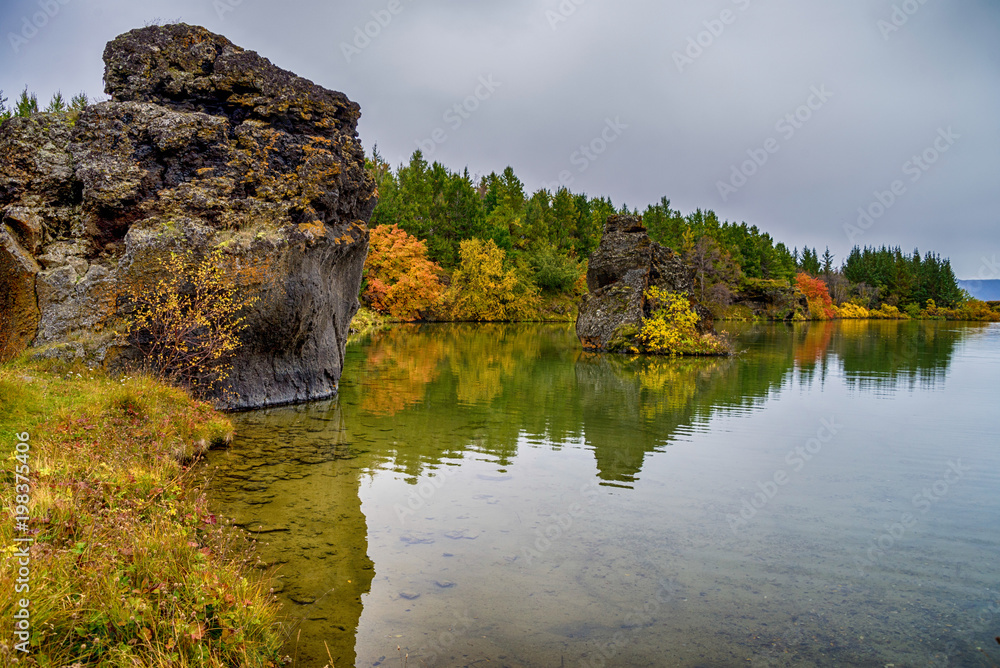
column 625, row 265
column 202, row 146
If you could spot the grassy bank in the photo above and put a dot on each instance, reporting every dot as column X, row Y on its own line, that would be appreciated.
column 558, row 308
column 365, row 322
column 127, row 568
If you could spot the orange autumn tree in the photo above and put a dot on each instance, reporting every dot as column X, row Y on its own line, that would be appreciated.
column 820, row 304
column 401, row 281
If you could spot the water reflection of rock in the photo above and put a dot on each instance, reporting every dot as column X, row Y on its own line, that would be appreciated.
column 419, row 398
column 503, row 382
column 292, row 479
column 484, row 388
column 633, row 406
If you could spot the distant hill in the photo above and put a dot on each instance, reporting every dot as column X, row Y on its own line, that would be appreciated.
column 985, row 290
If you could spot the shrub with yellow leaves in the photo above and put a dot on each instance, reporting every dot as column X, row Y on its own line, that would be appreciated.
column 187, row 325
column 672, row 328
column 852, row 311
column 888, row 312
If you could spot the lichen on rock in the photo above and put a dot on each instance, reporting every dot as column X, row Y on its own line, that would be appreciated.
column 203, row 145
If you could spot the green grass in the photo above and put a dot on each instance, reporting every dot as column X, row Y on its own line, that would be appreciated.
column 128, row 568
column 367, row 321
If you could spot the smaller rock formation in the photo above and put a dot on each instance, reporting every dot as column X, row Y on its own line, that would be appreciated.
column 760, row 299
column 621, row 270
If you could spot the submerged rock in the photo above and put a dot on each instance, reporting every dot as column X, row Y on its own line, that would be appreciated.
column 625, row 265
column 203, row 146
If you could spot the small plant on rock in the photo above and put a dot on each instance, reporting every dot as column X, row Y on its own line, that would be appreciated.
column 187, row 325
column 672, row 328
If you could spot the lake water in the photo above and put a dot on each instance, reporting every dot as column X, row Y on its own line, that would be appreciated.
column 492, row 495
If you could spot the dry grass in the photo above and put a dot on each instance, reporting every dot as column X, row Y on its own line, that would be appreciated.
column 128, row 567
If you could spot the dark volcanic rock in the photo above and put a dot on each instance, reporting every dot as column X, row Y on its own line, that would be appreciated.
column 204, row 146
column 769, row 300
column 191, row 69
column 624, row 266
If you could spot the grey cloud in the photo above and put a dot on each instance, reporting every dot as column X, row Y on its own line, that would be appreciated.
column 605, row 60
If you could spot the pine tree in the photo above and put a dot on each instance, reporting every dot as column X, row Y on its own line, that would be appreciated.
column 564, row 221
column 79, row 101
column 810, row 261
column 664, row 224
column 588, row 231
column 786, row 263
column 4, row 111
column 827, row 262
column 538, row 221
column 57, row 104
column 26, row 104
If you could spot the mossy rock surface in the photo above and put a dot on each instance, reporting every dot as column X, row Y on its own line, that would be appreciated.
column 762, row 299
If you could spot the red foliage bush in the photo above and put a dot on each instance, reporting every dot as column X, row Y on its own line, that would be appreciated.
column 816, row 292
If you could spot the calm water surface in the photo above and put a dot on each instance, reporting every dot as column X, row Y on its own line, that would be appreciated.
column 491, row 495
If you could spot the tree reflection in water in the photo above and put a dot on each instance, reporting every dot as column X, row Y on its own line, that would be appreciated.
column 419, row 397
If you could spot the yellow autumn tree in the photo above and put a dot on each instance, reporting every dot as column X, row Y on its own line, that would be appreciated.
column 187, row 324
column 483, row 288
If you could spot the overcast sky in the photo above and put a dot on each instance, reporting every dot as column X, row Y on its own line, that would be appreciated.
column 790, row 115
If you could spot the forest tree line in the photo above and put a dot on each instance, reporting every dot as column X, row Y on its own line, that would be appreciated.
column 464, row 248
column 539, row 243
column 26, row 104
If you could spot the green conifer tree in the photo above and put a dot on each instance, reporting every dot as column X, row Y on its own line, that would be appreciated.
column 56, row 104
column 27, row 104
